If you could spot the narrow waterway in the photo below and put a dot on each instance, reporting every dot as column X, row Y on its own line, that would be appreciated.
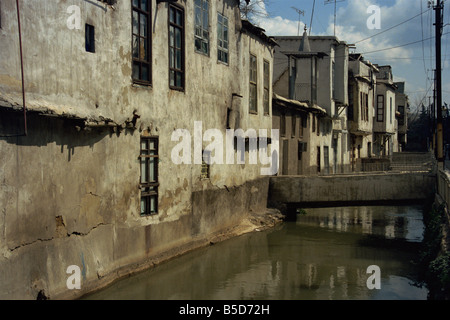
column 323, row 255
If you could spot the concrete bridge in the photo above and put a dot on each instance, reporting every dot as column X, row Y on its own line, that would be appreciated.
column 352, row 189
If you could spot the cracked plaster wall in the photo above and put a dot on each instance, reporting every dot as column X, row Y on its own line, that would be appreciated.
column 72, row 197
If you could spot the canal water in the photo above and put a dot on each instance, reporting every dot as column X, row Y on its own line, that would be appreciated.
column 323, row 255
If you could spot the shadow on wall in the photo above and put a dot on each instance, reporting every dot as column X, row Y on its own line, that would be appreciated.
column 42, row 130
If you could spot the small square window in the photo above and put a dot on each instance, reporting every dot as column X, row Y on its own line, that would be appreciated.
column 90, row 38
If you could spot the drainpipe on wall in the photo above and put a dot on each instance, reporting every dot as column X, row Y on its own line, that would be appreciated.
column 21, row 70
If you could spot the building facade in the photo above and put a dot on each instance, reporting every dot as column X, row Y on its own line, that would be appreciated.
column 362, row 90
column 384, row 125
column 116, row 158
column 314, row 70
column 402, row 108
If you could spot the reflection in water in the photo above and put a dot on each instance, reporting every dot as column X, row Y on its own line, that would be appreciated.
column 323, row 255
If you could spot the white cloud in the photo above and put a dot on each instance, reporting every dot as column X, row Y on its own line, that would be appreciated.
column 279, row 26
column 389, row 45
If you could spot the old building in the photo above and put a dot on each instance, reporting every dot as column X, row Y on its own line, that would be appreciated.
column 361, row 92
column 102, row 147
column 402, row 108
column 298, row 124
column 384, row 123
column 314, row 70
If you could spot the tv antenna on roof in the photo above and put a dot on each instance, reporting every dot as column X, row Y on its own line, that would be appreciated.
column 334, row 1
column 300, row 12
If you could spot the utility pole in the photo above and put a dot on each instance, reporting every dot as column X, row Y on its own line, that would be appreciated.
column 334, row 1
column 433, row 114
column 312, row 15
column 430, row 125
column 439, row 130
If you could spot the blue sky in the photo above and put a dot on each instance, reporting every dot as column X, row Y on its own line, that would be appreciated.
column 412, row 63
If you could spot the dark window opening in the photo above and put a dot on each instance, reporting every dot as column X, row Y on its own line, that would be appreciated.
column 266, row 87
column 294, row 125
column 90, row 38
column 318, row 159
column 283, row 125
column 401, row 120
column 253, row 85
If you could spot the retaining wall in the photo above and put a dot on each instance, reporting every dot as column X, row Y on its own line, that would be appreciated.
column 381, row 187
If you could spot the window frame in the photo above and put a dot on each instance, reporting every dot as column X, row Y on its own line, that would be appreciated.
column 380, row 108
column 266, row 85
column 326, row 159
column 149, row 188
column 366, row 106
column 147, row 39
column 361, row 106
column 205, row 172
column 202, row 37
column 220, row 37
column 181, row 71
column 253, row 83
column 390, row 110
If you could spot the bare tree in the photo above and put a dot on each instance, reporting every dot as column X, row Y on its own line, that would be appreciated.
column 251, row 10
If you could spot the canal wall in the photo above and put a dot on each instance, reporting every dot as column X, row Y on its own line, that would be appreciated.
column 443, row 198
column 352, row 188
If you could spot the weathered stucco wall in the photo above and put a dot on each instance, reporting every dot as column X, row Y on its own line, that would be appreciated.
column 352, row 188
column 71, row 196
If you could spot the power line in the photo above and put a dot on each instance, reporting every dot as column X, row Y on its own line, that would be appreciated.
column 376, row 34
column 399, row 46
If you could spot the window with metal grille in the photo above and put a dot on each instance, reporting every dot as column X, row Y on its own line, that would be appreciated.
column 149, row 184
column 141, row 46
column 253, row 98
column 266, row 87
column 206, row 167
column 380, row 108
column 176, row 47
column 222, row 38
column 201, row 37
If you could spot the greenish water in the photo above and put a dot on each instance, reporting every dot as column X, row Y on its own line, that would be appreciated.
column 323, row 255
